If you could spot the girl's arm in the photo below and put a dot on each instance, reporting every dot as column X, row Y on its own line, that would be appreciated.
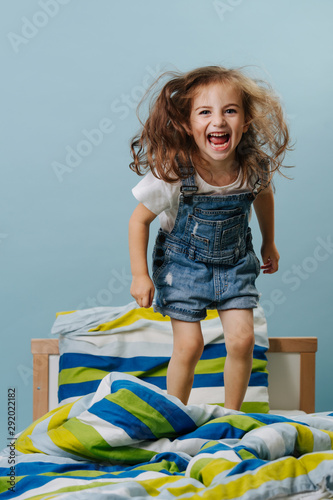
column 264, row 208
column 142, row 288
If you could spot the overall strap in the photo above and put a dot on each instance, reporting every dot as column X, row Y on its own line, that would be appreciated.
column 264, row 181
column 259, row 186
column 188, row 187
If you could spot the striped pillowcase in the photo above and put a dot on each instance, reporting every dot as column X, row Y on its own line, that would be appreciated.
column 138, row 341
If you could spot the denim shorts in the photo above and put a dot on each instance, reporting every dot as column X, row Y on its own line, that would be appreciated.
column 185, row 288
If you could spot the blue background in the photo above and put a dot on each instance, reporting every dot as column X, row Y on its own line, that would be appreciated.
column 71, row 67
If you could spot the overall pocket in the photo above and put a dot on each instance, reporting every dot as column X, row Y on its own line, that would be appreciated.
column 218, row 214
column 215, row 240
column 161, row 257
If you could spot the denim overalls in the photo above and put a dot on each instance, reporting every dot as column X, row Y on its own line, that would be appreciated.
column 207, row 261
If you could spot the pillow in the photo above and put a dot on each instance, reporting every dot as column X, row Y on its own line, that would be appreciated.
column 138, row 341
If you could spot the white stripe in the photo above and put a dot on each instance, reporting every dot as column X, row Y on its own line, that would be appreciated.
column 272, row 440
column 112, row 434
column 216, row 395
column 188, row 446
column 229, row 455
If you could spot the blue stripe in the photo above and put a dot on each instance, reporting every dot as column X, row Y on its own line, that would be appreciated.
column 34, row 480
column 267, row 418
column 246, row 465
column 160, row 382
column 23, row 469
column 140, row 363
column 212, row 351
column 171, row 457
column 118, row 416
column 110, row 363
column 215, row 448
column 76, row 390
column 177, row 418
column 214, row 431
column 257, row 379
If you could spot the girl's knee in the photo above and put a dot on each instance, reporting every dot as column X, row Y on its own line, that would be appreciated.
column 241, row 345
column 189, row 351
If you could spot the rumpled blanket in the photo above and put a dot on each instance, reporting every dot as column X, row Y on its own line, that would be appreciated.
column 131, row 440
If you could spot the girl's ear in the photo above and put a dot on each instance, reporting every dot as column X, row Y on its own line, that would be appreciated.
column 246, row 126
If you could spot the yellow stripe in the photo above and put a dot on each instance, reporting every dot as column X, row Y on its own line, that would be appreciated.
column 60, row 416
column 141, row 313
column 330, row 433
column 305, row 439
column 129, row 318
column 153, row 486
column 26, row 446
column 283, row 469
column 211, row 314
column 183, row 491
column 64, row 312
column 23, row 442
column 65, row 440
column 206, row 473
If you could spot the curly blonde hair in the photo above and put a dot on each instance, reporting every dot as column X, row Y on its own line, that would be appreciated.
column 164, row 143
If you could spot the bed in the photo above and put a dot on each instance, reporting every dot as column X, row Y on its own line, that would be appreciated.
column 291, row 366
column 116, row 433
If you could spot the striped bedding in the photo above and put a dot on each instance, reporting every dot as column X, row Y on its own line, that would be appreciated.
column 137, row 341
column 129, row 439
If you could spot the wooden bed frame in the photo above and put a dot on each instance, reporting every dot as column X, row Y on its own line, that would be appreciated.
column 291, row 360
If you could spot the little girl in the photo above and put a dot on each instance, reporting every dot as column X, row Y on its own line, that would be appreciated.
column 212, row 141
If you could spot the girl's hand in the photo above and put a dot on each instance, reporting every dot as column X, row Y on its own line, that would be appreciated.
column 270, row 258
column 142, row 289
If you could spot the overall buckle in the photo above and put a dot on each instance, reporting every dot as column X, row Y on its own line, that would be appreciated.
column 188, row 192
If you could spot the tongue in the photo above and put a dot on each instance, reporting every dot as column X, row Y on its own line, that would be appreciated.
column 219, row 140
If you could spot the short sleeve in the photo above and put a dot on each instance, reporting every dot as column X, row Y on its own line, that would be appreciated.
column 155, row 194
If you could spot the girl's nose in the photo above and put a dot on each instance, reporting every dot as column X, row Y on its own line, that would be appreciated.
column 218, row 120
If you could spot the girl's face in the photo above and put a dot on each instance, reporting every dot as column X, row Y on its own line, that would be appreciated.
column 217, row 123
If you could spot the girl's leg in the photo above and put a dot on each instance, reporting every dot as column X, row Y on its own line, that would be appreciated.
column 239, row 341
column 188, row 345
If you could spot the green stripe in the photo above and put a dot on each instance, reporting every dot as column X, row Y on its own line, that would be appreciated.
column 80, row 374
column 203, row 367
column 78, row 473
column 97, row 447
column 209, row 444
column 68, row 489
column 255, row 407
column 251, row 406
column 259, row 365
column 164, row 465
column 146, row 413
column 242, row 422
column 215, row 365
column 245, row 455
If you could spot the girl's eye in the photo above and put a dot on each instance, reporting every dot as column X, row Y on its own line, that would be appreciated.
column 204, row 112
column 231, row 111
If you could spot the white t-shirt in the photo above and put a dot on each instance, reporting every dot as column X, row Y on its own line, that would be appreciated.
column 162, row 198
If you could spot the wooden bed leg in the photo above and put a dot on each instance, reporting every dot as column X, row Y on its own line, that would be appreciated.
column 307, row 388
column 40, row 385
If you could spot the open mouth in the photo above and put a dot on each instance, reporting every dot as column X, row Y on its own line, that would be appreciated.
column 219, row 140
